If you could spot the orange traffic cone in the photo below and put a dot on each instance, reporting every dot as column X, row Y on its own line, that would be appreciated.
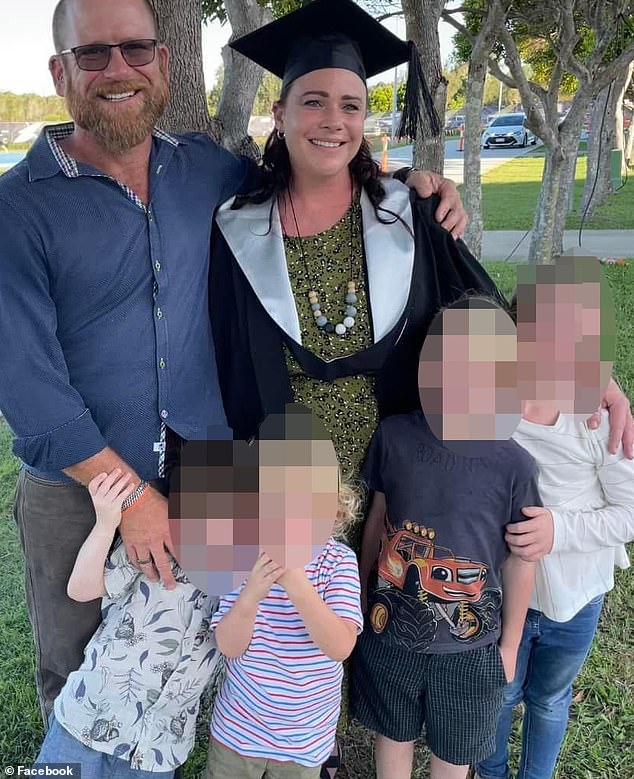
column 386, row 143
column 461, row 139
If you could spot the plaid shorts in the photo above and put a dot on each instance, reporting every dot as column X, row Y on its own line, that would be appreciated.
column 457, row 696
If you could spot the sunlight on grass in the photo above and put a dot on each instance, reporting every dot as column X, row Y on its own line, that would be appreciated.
column 510, row 193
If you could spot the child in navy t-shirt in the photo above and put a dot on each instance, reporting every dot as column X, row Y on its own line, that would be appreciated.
column 445, row 600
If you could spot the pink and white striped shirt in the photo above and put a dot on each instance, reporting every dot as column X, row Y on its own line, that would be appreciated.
column 281, row 699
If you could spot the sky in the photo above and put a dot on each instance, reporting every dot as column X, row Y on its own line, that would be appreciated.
column 26, row 44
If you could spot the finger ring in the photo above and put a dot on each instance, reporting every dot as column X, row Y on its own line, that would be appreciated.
column 144, row 562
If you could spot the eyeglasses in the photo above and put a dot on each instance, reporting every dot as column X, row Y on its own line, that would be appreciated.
column 96, row 56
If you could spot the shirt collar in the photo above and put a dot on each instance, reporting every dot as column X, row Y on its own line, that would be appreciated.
column 47, row 158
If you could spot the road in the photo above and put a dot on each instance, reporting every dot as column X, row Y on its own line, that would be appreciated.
column 490, row 158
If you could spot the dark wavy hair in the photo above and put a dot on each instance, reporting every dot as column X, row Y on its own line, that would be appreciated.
column 276, row 172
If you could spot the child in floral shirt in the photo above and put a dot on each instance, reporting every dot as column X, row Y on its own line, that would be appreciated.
column 129, row 711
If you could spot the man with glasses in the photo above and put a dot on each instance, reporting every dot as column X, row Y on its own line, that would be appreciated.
column 103, row 274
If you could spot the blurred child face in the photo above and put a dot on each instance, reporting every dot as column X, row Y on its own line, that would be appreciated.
column 230, row 500
column 466, row 374
column 560, row 339
column 298, row 500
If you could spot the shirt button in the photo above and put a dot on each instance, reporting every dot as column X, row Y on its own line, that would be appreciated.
column 150, row 216
column 159, row 313
column 164, row 414
column 161, row 363
column 157, row 265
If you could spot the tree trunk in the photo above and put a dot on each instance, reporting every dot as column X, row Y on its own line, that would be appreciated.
column 180, row 26
column 472, row 192
column 619, row 132
column 421, row 20
column 607, row 112
column 597, row 182
column 242, row 78
column 629, row 144
column 569, row 147
column 542, row 244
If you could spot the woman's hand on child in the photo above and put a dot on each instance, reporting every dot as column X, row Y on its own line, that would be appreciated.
column 532, row 539
column 108, row 491
column 263, row 575
column 509, row 660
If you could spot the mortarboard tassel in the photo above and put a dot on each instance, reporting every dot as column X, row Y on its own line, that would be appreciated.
column 417, row 92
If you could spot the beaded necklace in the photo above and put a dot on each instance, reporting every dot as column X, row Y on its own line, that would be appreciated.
column 350, row 311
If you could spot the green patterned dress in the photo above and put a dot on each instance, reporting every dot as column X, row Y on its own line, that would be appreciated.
column 347, row 406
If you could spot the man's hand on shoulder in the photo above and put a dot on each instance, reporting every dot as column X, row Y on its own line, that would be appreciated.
column 450, row 213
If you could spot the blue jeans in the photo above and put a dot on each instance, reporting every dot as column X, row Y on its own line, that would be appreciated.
column 60, row 747
column 550, row 656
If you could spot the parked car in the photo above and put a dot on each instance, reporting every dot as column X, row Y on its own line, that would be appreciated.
column 508, row 130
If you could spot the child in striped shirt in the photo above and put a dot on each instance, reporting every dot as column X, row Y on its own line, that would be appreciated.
column 286, row 631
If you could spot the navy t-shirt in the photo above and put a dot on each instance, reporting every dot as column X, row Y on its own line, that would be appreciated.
column 437, row 585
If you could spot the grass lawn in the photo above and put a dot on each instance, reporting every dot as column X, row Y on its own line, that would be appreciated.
column 599, row 741
column 510, row 193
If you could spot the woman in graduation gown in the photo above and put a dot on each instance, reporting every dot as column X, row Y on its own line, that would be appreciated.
column 323, row 282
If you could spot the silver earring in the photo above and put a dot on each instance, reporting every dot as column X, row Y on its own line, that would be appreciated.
column 280, row 134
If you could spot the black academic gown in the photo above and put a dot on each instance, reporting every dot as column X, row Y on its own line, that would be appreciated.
column 410, row 273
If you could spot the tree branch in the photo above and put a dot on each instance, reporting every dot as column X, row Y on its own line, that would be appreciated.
column 569, row 37
column 464, row 10
column 529, row 98
column 383, row 17
column 446, row 16
column 609, row 72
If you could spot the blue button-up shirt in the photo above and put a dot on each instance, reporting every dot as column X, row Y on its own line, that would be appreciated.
column 104, row 324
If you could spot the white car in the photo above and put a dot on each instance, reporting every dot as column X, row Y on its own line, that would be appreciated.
column 507, row 130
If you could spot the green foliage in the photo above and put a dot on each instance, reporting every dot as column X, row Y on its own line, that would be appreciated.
column 462, row 44
column 380, row 98
column 31, row 108
column 214, row 10
column 269, row 91
column 267, row 94
column 532, row 26
column 456, row 87
column 213, row 96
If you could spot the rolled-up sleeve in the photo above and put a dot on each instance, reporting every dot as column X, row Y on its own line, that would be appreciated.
column 52, row 425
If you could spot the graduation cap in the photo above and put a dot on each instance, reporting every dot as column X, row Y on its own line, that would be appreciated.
column 340, row 34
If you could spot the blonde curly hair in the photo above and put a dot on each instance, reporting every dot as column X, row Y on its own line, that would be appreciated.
column 351, row 502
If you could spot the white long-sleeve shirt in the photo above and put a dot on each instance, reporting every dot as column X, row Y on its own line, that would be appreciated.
column 591, row 496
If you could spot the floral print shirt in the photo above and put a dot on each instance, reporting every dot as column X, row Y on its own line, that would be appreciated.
column 136, row 695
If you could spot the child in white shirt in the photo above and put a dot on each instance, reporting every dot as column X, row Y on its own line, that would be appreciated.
column 565, row 348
